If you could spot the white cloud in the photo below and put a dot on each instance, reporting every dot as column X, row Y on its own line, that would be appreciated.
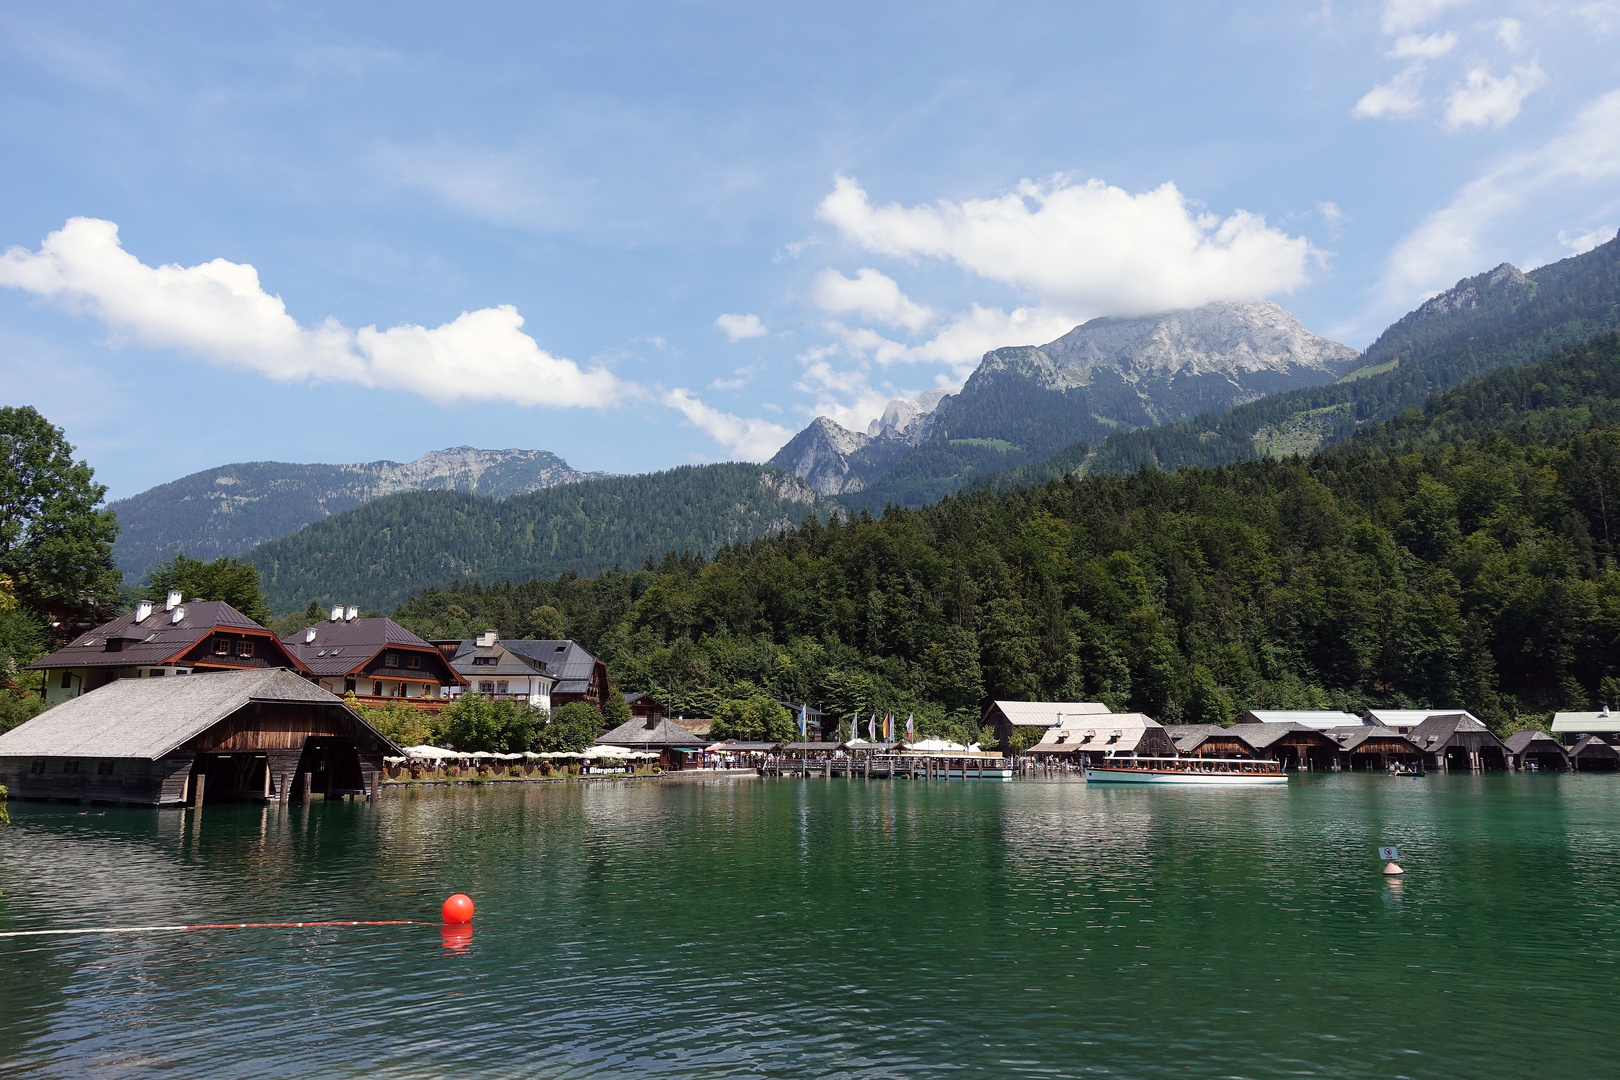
column 218, row 311
column 1581, row 243
column 1448, row 244
column 1510, row 32
column 1404, row 16
column 871, row 295
column 1486, row 101
column 1602, row 15
column 738, row 327
column 747, row 439
column 743, row 377
column 1332, row 217
column 1086, row 247
column 1431, row 47
column 1400, row 96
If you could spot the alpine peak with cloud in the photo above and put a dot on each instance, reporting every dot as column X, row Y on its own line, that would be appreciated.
column 1024, row 403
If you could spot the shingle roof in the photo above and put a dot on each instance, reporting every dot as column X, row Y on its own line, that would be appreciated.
column 154, row 640
column 1045, row 713
column 349, row 645
column 507, row 662
column 1349, row 738
column 1441, row 730
column 1520, row 740
column 1191, row 736
column 1592, row 744
column 1261, row 736
column 639, row 732
column 1411, row 717
column 565, row 661
column 147, row 718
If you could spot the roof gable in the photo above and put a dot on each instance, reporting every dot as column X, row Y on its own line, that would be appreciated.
column 156, row 639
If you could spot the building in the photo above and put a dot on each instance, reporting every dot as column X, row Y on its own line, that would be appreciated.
column 1295, row 745
column 246, row 735
column 1003, row 717
column 1094, row 737
column 1537, row 750
column 492, row 670
column 698, row 726
column 1319, row 719
column 579, row 675
column 815, row 721
column 644, row 706
column 1458, row 741
column 1210, row 740
column 175, row 638
column 1571, row 727
column 377, row 660
column 1404, row 720
column 677, row 747
column 1593, row 754
column 1366, row 747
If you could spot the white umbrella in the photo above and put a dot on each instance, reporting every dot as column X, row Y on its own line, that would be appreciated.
column 482, row 754
column 935, row 746
column 430, row 752
column 619, row 752
column 392, row 760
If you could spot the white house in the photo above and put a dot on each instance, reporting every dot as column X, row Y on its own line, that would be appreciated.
column 494, row 671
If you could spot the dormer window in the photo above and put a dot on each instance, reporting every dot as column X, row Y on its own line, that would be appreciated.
column 414, row 661
column 222, row 646
column 391, row 659
column 485, row 661
column 245, row 647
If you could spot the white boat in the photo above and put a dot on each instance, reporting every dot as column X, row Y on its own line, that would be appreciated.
column 1216, row 772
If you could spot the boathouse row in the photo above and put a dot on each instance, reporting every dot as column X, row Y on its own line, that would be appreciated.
column 249, row 735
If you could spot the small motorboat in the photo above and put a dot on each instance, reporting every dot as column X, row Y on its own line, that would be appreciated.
column 1212, row 772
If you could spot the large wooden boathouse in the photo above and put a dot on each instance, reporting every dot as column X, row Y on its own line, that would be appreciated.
column 226, row 736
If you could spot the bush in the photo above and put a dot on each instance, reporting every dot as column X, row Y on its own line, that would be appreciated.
column 500, row 727
column 758, row 719
column 572, row 728
column 404, row 724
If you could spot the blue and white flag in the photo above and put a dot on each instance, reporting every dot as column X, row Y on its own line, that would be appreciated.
column 802, row 720
column 871, row 728
column 911, row 727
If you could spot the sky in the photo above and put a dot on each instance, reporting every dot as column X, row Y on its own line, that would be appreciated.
column 642, row 236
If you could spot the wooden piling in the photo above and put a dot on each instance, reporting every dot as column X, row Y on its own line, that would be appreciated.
column 309, row 779
column 201, row 786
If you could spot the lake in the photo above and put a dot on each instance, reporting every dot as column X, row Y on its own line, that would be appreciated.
column 739, row 927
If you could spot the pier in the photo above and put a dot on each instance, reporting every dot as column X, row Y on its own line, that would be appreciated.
column 899, row 767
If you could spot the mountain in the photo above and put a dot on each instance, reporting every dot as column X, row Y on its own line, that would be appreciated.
column 1025, row 403
column 378, row 554
column 233, row 508
column 1501, row 318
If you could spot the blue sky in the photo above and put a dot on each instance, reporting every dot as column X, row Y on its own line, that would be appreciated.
column 649, row 235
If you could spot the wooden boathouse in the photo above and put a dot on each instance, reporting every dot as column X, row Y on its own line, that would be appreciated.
column 1376, row 748
column 1537, row 750
column 1458, row 741
column 1592, row 754
column 256, row 735
column 1296, row 746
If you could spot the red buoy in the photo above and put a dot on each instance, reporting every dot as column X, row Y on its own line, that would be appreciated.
column 458, row 909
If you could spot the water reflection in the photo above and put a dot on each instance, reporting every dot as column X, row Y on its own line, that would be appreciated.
column 748, row 927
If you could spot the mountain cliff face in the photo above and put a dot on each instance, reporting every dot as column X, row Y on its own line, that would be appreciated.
column 1025, row 402
column 233, row 508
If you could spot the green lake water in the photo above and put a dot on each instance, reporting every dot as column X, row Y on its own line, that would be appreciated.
column 739, row 927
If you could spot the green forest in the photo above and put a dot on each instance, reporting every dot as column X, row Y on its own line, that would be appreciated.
column 1459, row 555
column 383, row 552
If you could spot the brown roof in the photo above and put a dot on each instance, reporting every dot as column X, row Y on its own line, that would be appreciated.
column 341, row 647
column 158, row 638
column 1519, row 741
column 639, row 732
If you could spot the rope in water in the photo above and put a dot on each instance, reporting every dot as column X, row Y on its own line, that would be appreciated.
column 204, row 926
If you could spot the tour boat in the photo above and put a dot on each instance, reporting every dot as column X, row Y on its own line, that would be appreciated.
column 1219, row 772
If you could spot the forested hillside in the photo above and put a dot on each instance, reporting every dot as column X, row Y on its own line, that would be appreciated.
column 378, row 554
column 1462, row 556
column 1498, row 319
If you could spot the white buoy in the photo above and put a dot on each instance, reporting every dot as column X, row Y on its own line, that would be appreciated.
column 1392, row 869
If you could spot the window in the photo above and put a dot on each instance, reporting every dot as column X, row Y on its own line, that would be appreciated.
column 485, row 661
column 38, row 767
column 104, row 768
column 71, row 766
column 486, row 688
column 348, row 686
column 156, row 673
column 415, row 661
column 391, row 659
column 500, row 687
column 376, row 688
column 244, row 648
column 67, row 680
column 222, row 646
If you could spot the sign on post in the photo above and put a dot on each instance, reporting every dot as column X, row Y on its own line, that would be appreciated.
column 1389, row 854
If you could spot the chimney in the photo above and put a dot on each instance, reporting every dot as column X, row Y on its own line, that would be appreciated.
column 488, row 638
column 309, row 635
column 350, row 613
column 177, row 614
column 143, row 611
column 337, row 613
column 173, row 601
column 1605, row 711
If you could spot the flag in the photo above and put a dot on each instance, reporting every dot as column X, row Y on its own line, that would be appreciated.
column 888, row 727
column 911, row 727
column 803, row 737
column 871, row 728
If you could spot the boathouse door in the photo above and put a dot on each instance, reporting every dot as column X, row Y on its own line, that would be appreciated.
column 333, row 766
column 230, row 777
